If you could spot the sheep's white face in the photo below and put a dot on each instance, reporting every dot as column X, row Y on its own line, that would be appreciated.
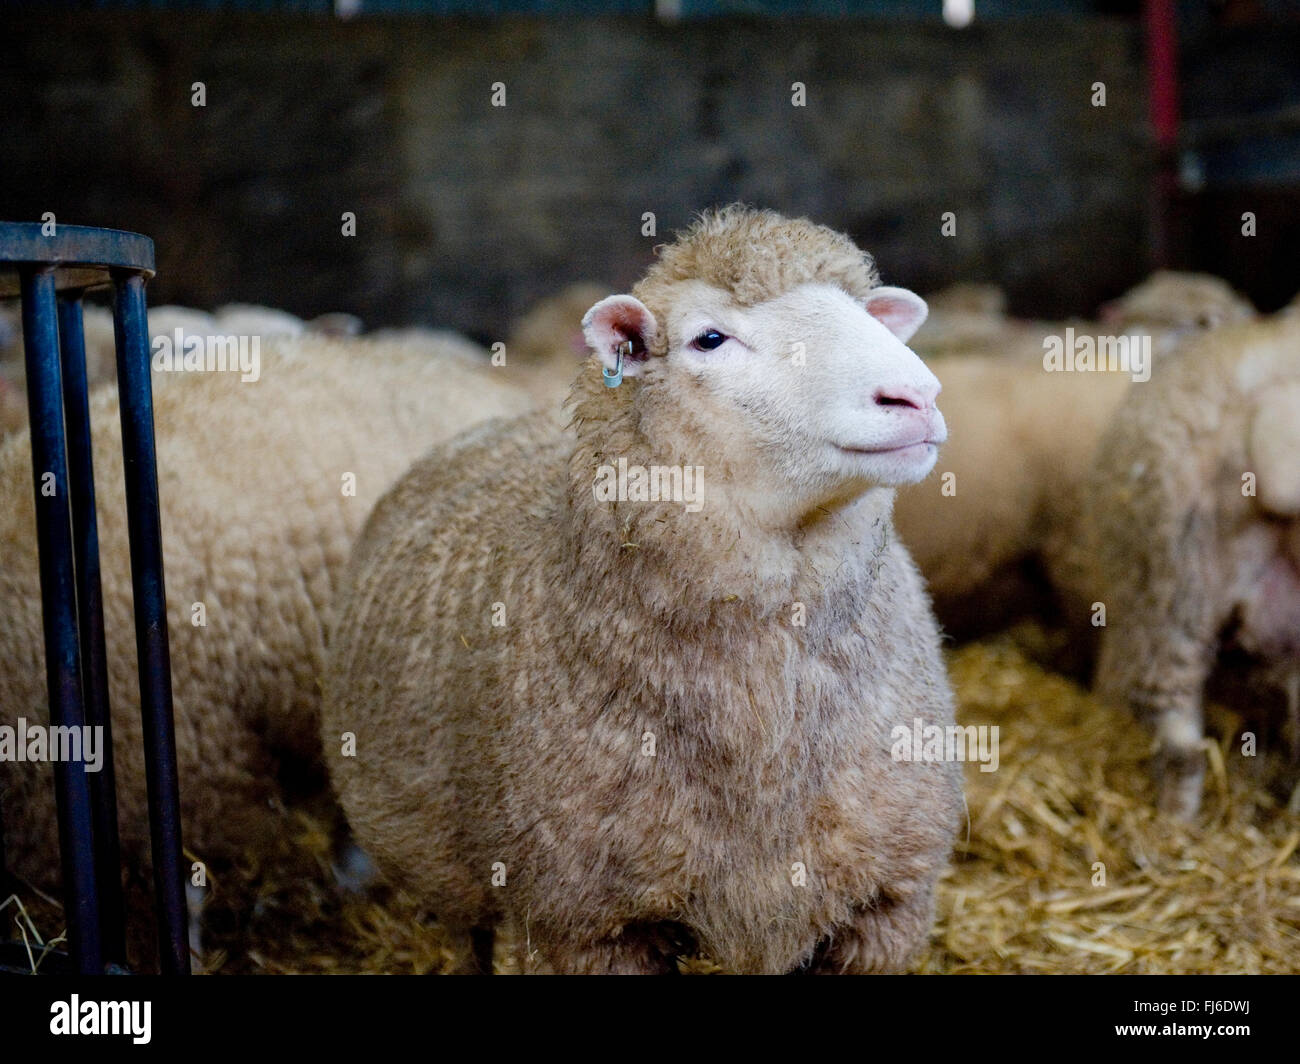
column 822, row 389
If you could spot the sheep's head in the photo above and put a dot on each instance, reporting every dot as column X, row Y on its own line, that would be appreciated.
column 782, row 355
column 1179, row 302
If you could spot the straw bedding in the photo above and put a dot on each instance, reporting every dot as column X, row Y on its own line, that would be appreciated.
column 1066, row 867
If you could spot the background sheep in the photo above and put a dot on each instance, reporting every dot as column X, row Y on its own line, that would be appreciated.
column 546, row 346
column 234, row 319
column 1167, row 306
column 1021, row 439
column 501, row 769
column 1177, row 302
column 962, row 317
column 1022, row 446
column 1188, row 532
column 263, row 487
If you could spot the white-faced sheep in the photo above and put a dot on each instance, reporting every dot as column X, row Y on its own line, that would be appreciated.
column 263, row 487
column 1188, row 533
column 1172, row 304
column 630, row 727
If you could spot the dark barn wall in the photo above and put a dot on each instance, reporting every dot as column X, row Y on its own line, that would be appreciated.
column 466, row 212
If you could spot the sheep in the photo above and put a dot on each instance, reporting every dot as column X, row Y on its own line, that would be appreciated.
column 1023, row 445
column 962, row 316
column 542, row 350
column 1021, row 439
column 235, row 319
column 263, row 487
column 1187, row 532
column 630, row 728
column 1167, row 306
column 337, row 324
column 1175, row 304
column 97, row 326
column 247, row 319
column 440, row 342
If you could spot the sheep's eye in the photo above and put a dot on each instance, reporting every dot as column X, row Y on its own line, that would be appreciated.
column 708, row 340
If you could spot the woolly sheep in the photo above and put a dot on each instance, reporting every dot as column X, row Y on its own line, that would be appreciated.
column 1167, row 306
column 263, row 487
column 1188, row 532
column 247, row 319
column 542, row 350
column 1023, row 442
column 1021, row 439
column 235, row 319
column 1178, row 303
column 441, row 342
column 962, row 316
column 633, row 728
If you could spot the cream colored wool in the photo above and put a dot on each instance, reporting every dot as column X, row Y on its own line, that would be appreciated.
column 256, row 527
column 1167, row 306
column 1172, row 540
column 601, row 722
column 234, row 319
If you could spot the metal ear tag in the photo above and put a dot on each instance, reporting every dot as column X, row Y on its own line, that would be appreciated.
column 614, row 377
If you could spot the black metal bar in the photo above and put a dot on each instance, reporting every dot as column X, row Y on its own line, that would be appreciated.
column 59, row 612
column 90, row 618
column 152, row 651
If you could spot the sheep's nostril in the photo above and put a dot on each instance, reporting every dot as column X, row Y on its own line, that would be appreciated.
column 905, row 397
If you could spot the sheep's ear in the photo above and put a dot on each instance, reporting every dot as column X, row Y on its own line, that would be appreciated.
column 616, row 320
column 900, row 311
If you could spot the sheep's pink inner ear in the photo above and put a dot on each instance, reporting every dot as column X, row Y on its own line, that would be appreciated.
column 899, row 310
column 615, row 320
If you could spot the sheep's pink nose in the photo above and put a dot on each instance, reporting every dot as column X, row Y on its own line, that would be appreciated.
column 907, row 396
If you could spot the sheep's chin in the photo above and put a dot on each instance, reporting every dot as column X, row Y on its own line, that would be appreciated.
column 891, row 466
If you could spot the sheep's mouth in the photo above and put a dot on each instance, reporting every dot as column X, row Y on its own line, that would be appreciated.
column 917, row 447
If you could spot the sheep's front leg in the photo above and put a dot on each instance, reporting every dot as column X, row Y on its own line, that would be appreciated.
column 882, row 937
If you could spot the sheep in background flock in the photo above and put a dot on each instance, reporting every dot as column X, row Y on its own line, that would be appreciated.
column 1187, row 532
column 233, row 319
column 1022, row 445
column 263, row 486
